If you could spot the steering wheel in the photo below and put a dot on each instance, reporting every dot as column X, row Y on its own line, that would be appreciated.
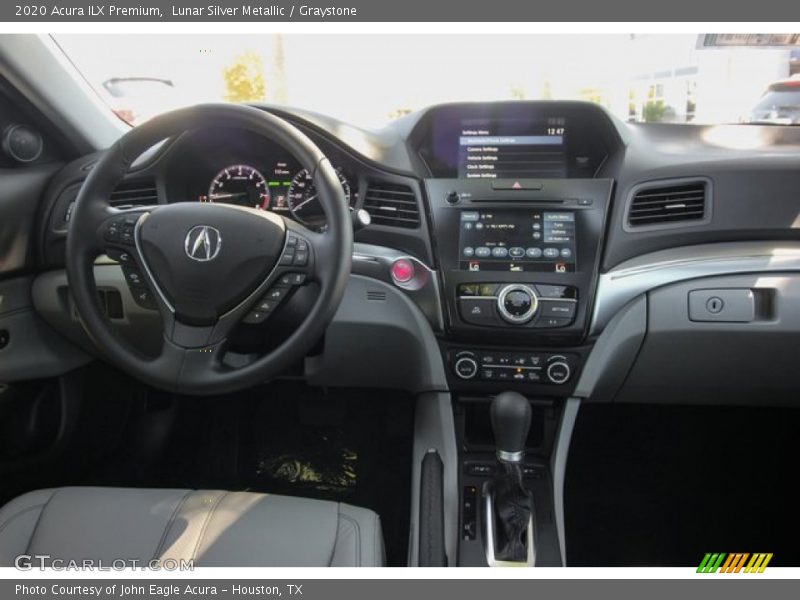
column 209, row 266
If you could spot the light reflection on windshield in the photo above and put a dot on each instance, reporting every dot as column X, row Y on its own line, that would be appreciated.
column 369, row 80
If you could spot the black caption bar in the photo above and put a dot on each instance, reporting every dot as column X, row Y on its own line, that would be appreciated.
column 397, row 11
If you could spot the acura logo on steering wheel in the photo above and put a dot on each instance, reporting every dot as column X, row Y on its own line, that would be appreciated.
column 203, row 243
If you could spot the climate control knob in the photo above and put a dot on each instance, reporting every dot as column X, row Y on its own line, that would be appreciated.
column 517, row 303
column 558, row 372
column 466, row 367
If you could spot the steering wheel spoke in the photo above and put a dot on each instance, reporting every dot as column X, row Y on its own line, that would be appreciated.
column 117, row 229
column 297, row 266
column 189, row 368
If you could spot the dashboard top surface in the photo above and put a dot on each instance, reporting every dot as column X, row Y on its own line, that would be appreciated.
column 753, row 170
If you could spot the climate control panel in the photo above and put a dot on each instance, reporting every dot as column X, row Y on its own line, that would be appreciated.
column 555, row 368
column 540, row 306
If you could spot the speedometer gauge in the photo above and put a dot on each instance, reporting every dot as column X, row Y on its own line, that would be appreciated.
column 241, row 185
column 303, row 202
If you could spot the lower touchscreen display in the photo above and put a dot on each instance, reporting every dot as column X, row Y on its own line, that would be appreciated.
column 517, row 240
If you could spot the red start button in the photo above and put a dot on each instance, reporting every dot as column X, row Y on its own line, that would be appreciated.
column 402, row 271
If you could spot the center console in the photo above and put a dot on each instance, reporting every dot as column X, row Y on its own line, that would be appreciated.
column 518, row 216
column 519, row 261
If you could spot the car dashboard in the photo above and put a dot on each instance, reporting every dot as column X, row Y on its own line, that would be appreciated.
column 528, row 235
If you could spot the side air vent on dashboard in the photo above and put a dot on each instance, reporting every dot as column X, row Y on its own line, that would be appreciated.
column 669, row 204
column 392, row 204
column 127, row 194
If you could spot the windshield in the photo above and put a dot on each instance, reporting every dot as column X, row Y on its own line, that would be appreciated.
column 369, row 80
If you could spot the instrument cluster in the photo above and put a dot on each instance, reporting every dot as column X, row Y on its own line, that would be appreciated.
column 237, row 167
column 283, row 188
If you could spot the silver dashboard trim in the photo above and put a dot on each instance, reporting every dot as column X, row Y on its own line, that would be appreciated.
column 539, row 297
column 651, row 271
column 512, row 457
column 145, row 267
column 384, row 255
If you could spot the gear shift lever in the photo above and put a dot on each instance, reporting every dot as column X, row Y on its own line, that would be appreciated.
column 508, row 514
column 511, row 419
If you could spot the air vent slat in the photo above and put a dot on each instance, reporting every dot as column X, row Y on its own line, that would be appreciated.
column 661, row 201
column 660, row 194
column 134, row 193
column 668, row 204
column 679, row 217
column 392, row 205
column 667, row 208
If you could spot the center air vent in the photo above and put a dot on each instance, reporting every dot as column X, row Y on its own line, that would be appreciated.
column 134, row 193
column 669, row 204
column 392, row 204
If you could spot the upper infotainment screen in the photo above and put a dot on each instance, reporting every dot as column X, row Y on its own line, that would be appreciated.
column 512, row 148
column 517, row 240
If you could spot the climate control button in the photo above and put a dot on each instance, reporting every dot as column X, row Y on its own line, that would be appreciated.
column 466, row 367
column 517, row 303
column 559, row 372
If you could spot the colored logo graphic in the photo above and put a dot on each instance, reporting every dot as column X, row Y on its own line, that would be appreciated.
column 720, row 562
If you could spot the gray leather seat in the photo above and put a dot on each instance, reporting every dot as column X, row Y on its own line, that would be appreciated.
column 215, row 528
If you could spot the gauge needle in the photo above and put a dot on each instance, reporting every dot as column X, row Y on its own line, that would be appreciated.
column 231, row 195
column 306, row 201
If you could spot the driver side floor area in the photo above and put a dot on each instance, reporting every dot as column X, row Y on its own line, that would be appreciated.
column 350, row 446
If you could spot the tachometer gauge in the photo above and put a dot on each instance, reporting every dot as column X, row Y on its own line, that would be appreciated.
column 303, row 202
column 241, row 185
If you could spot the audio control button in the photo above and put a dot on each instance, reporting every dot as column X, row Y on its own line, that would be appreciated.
column 517, row 303
column 558, row 308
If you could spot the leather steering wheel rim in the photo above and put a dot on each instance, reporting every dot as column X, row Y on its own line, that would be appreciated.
column 197, row 368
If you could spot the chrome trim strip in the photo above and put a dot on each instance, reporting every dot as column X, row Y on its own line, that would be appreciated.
column 495, row 298
column 515, row 367
column 140, row 255
column 395, row 255
column 650, row 271
column 512, row 457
